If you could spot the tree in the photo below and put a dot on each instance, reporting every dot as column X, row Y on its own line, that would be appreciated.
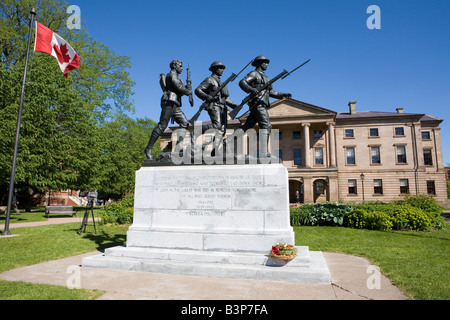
column 62, row 138
column 123, row 155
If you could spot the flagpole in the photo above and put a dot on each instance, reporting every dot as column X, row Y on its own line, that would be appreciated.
column 6, row 231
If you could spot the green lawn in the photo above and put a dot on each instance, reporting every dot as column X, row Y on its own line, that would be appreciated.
column 38, row 244
column 417, row 262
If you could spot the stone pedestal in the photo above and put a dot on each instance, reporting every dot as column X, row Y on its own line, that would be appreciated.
column 216, row 220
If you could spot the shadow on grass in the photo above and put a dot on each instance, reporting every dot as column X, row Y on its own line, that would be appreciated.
column 103, row 239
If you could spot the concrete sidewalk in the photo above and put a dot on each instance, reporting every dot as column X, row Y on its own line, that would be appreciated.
column 350, row 277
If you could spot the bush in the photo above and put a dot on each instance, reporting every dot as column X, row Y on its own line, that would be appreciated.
column 299, row 217
column 120, row 212
column 328, row 214
column 376, row 206
column 378, row 220
column 428, row 205
column 356, row 219
column 407, row 217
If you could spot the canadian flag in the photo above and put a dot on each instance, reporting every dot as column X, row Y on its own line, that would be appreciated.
column 49, row 42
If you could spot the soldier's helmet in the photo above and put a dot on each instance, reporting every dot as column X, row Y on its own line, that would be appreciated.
column 259, row 59
column 216, row 64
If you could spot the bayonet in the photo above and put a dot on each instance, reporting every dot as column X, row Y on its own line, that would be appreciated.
column 189, row 86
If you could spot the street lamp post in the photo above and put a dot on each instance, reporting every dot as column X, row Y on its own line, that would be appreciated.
column 362, row 180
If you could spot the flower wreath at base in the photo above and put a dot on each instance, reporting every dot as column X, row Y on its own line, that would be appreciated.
column 283, row 251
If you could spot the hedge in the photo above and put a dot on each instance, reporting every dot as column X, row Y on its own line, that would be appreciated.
column 420, row 213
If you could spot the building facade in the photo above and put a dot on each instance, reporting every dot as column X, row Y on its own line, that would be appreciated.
column 353, row 156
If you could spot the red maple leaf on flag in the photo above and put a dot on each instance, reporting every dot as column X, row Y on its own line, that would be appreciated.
column 62, row 53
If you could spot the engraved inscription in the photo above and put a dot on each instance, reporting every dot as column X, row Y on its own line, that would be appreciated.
column 206, row 195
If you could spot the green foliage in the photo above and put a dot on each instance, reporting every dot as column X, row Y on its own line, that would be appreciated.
column 299, row 217
column 448, row 189
column 378, row 220
column 418, row 213
column 120, row 212
column 321, row 214
column 407, row 217
column 76, row 132
column 357, row 219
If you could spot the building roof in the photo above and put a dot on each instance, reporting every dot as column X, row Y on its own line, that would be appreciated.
column 378, row 114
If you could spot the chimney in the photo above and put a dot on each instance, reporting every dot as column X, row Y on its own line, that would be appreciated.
column 399, row 110
column 352, row 107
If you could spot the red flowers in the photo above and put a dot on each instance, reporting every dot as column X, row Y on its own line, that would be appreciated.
column 275, row 250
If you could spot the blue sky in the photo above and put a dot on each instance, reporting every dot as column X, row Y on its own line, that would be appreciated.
column 404, row 64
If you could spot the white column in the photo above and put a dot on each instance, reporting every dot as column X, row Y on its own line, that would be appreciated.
column 332, row 150
column 307, row 148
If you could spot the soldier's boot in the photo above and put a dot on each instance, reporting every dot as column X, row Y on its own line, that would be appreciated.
column 218, row 138
column 148, row 150
column 264, row 135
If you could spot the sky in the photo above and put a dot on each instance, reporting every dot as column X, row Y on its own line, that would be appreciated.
column 405, row 63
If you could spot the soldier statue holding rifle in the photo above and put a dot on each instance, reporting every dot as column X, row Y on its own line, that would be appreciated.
column 216, row 105
column 259, row 102
column 174, row 89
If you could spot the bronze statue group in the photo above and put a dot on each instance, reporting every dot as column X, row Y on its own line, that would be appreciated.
column 215, row 95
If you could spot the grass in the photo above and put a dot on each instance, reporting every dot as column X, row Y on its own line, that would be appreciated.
column 416, row 262
column 46, row 243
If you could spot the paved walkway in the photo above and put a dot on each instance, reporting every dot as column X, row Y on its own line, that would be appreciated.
column 350, row 276
column 45, row 223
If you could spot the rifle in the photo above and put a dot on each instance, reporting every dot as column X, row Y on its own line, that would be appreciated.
column 282, row 75
column 189, row 86
column 216, row 92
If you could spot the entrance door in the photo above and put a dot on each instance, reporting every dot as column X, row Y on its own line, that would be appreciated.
column 294, row 187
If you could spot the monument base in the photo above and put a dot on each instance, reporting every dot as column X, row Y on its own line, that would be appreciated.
column 307, row 267
column 213, row 220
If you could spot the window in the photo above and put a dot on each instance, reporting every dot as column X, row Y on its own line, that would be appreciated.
column 404, row 186
column 318, row 134
column 373, row 132
column 297, row 157
column 401, row 154
column 350, row 152
column 427, row 157
column 352, row 187
column 320, row 187
column 349, row 133
column 431, row 190
column 426, row 135
column 319, row 156
column 399, row 131
column 378, row 186
column 297, row 135
column 375, row 153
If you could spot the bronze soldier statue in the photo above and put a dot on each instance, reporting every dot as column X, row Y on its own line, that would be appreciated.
column 174, row 89
column 217, row 106
column 258, row 105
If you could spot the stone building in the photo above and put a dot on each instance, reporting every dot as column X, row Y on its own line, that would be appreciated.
column 353, row 156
